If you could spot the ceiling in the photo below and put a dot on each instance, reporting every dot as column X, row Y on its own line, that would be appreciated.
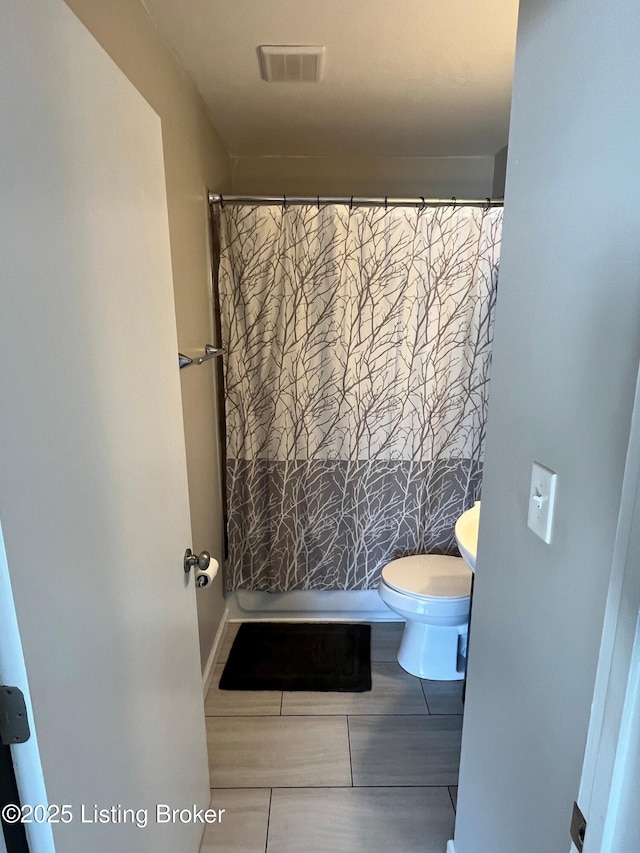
column 402, row 77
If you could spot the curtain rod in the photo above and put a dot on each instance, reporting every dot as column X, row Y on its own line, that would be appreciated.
column 218, row 198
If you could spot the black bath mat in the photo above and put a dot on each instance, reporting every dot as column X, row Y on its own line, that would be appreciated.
column 300, row 656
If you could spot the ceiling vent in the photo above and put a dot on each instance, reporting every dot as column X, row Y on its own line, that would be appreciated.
column 291, row 63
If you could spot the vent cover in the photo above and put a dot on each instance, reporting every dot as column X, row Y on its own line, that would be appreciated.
column 291, row 63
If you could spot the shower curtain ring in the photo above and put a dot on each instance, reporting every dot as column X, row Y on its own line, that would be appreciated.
column 422, row 203
column 454, row 200
column 385, row 203
column 487, row 205
column 221, row 202
column 318, row 201
column 284, row 202
column 351, row 204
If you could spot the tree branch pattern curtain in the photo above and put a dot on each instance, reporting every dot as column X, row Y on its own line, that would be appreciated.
column 357, row 354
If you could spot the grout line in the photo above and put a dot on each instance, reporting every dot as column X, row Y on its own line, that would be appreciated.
column 290, row 716
column 266, row 840
column 425, row 696
column 248, row 716
column 331, row 787
column 324, row 716
column 409, row 785
column 350, row 759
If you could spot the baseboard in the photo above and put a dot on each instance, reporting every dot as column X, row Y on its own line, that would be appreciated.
column 450, row 847
column 310, row 605
column 207, row 675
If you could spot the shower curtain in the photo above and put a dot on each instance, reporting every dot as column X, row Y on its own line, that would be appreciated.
column 357, row 352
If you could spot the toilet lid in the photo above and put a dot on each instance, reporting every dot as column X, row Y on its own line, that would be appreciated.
column 429, row 575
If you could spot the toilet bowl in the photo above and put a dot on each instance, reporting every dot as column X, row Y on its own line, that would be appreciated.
column 432, row 594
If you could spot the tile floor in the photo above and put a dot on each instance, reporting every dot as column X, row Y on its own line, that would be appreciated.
column 335, row 772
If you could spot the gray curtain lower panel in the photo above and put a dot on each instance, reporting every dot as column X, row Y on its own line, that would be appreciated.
column 334, row 525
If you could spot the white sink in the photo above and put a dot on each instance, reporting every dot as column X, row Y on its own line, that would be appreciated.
column 466, row 531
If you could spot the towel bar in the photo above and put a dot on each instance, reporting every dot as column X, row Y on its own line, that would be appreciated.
column 209, row 352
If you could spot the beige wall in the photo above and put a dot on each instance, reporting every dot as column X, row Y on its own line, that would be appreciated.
column 194, row 160
column 431, row 177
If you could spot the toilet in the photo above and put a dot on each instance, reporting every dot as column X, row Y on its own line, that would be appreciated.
column 432, row 594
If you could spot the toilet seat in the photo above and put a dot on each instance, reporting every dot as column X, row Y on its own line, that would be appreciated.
column 429, row 576
column 432, row 594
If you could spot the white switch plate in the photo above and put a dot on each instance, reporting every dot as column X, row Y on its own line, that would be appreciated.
column 541, row 500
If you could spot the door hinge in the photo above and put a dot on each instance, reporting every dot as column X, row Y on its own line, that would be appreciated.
column 578, row 827
column 14, row 725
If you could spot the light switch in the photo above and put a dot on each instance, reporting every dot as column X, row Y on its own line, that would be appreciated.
column 541, row 500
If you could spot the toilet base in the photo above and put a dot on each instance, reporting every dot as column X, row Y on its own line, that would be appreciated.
column 435, row 652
